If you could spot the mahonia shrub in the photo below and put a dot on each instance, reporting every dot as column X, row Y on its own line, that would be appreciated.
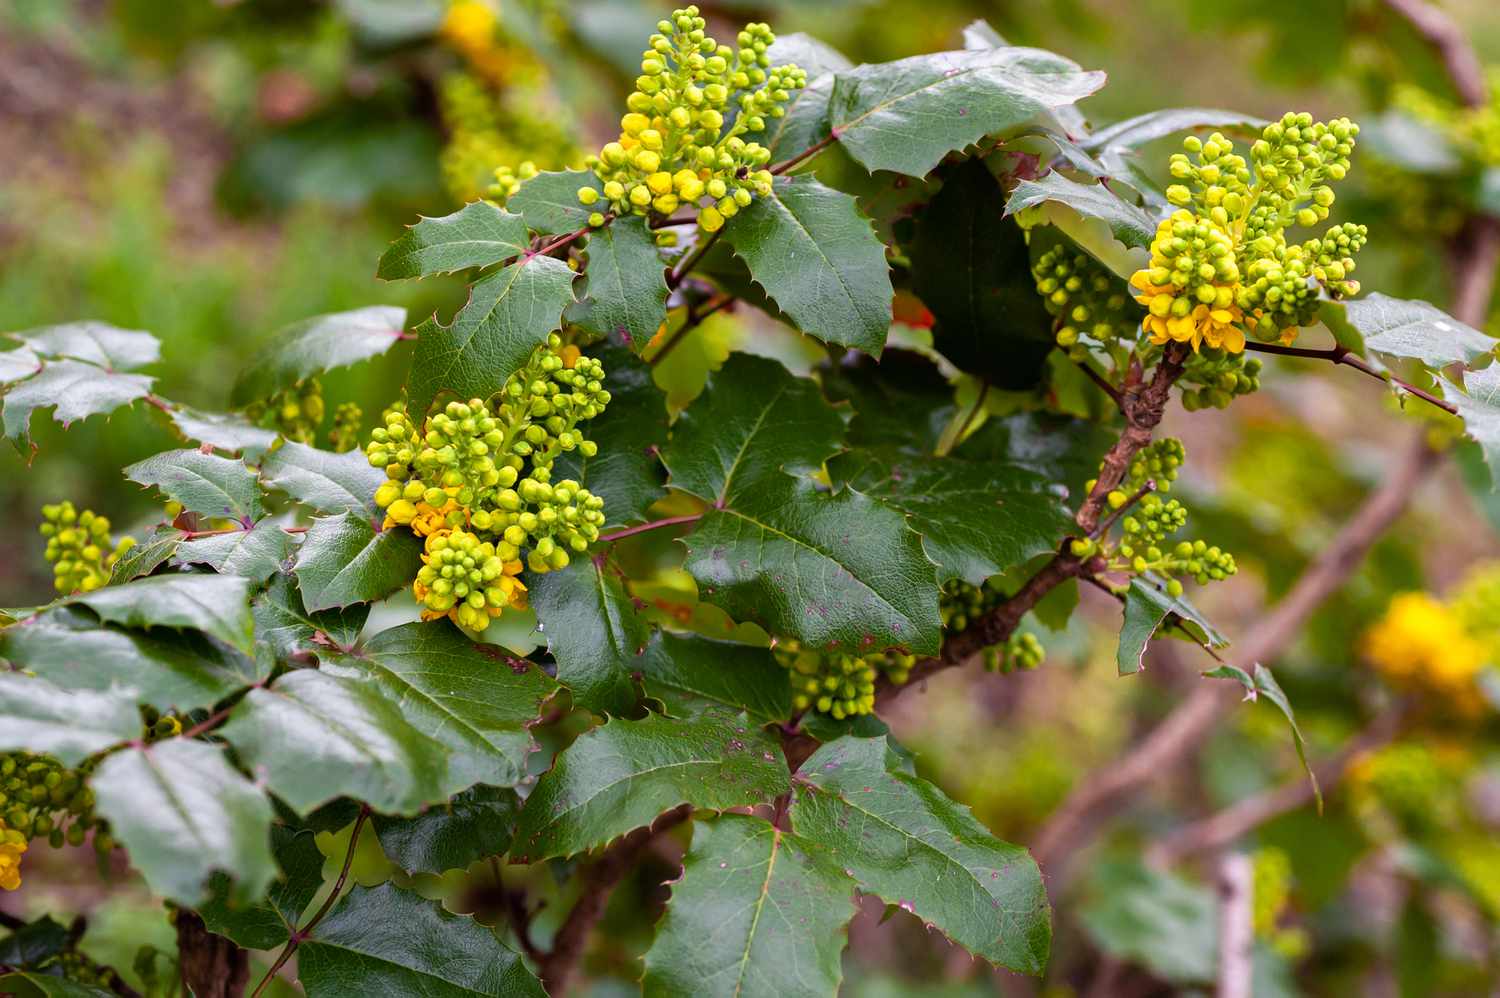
column 541, row 613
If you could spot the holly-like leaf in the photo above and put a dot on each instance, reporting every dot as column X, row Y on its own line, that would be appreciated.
column 904, row 841
column 1129, row 224
column 256, row 552
column 689, row 673
column 147, row 556
column 620, row 776
column 68, row 724
column 470, row 826
column 806, row 119
column 183, row 812
column 1259, row 682
column 1147, row 606
column 217, row 605
column 1478, row 404
column 977, row 519
column 223, row 431
column 1404, row 329
column 475, row 702
column 96, row 343
column 388, row 941
column 756, row 914
column 73, row 390
column 166, row 669
column 313, row 737
column 315, row 345
column 625, row 294
column 1153, row 125
column 33, row 942
column 323, row 480
column 343, row 560
column 903, row 400
column 971, row 267
column 268, row 923
column 17, row 365
column 907, row 115
column 859, row 575
column 753, row 421
column 549, row 201
column 284, row 625
column 626, row 471
column 594, row 631
column 818, row 259
column 508, row 315
column 477, row 235
column 204, row 483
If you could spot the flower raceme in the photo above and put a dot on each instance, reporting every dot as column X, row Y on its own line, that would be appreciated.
column 1221, row 266
column 1421, row 643
column 79, row 547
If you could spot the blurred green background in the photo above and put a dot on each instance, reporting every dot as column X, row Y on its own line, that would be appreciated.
column 210, row 170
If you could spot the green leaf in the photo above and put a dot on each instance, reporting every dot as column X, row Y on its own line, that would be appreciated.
column 68, row 724
column 323, row 480
column 343, row 560
column 269, row 923
column 688, row 673
column 146, row 557
column 971, row 267
column 182, row 812
column 283, row 624
column 255, row 553
column 1129, row 224
column 223, row 431
column 626, row 472
column 26, row 984
column 1411, row 144
column 594, row 631
column 755, row 914
column 166, row 669
column 901, row 839
column 818, row 259
column 549, row 201
column 313, row 737
column 1153, row 125
column 387, row 941
column 1478, row 403
column 1147, row 602
column 858, row 571
column 73, row 391
column 903, row 400
column 204, row 483
column 17, row 365
column 477, row 235
column 806, row 119
column 315, row 345
column 625, row 294
column 1157, row 919
column 217, row 605
column 471, row 826
column 1262, row 683
column 33, row 942
column 96, row 343
column 907, row 115
column 508, row 315
column 753, row 421
column 977, row 519
column 1396, row 327
column 620, row 776
column 473, row 700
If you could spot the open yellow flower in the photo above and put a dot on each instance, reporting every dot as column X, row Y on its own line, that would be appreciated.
column 12, row 845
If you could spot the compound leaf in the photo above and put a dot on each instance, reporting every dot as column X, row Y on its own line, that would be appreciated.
column 595, row 632
column 625, row 294
column 688, row 672
column 469, row 826
column 73, row 390
column 96, row 343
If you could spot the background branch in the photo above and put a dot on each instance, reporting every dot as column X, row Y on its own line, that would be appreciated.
column 1236, row 925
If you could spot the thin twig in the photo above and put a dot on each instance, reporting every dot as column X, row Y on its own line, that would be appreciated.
column 1452, row 45
column 1341, row 355
column 563, row 240
column 1102, row 382
column 641, row 528
column 1124, row 507
column 807, row 153
column 685, row 267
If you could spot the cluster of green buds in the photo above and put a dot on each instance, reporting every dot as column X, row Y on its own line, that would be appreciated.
column 479, row 475
column 1090, row 304
column 79, row 547
column 1409, row 783
column 159, row 726
column 1221, row 265
column 838, row 683
column 961, row 604
column 79, row 968
column 42, row 799
column 1220, row 377
column 1022, row 652
column 1158, row 463
column 682, row 138
column 344, row 435
column 295, row 413
column 507, row 180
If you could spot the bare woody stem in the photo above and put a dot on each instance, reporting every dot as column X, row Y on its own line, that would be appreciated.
column 1341, row 355
column 641, row 528
column 806, row 154
column 1236, row 879
column 1452, row 45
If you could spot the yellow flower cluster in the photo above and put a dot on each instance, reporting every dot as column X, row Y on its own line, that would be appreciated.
column 469, row 26
column 1421, row 643
column 79, row 547
column 464, row 580
column 12, row 845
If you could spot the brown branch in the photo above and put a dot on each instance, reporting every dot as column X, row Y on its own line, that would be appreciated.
column 1474, row 254
column 807, row 153
column 1109, row 521
column 1236, row 880
column 1176, row 738
column 211, row 966
column 1452, row 45
column 694, row 318
column 1342, row 355
column 680, row 272
column 1102, row 382
column 599, row 880
column 641, row 528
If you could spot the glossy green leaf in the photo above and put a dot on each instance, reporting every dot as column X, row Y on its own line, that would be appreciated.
column 313, row 737
column 33, row 942
column 508, row 315
column 183, row 812
column 390, row 942
column 268, row 923
column 154, row 551
column 73, row 391
column 620, row 776
column 806, row 119
column 838, row 570
column 217, row 605
column 1152, row 599
column 68, row 724
column 689, row 673
column 470, row 826
column 477, row 235
column 904, row 841
column 1259, row 682
column 343, row 560
column 1478, row 403
column 1143, row 615
column 96, row 343
column 323, row 480
column 594, row 630
column 625, row 292
column 204, row 483
column 468, row 697
column 255, row 553
column 223, row 431
column 626, row 471
column 1416, row 330
column 1129, row 224
column 166, row 669
column 819, row 260
column 1153, row 125
column 977, row 519
column 753, row 421
column 755, row 914
column 903, row 400
column 284, row 625
column 549, row 201
column 312, row 346
column 907, row 115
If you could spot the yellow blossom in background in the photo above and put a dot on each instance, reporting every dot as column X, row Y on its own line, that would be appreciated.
column 1422, row 643
column 12, row 845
